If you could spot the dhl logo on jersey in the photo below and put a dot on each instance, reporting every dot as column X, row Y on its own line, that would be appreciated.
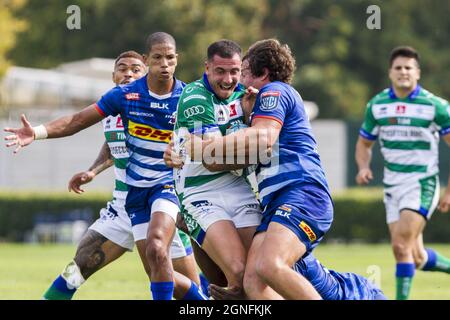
column 148, row 133
column 311, row 235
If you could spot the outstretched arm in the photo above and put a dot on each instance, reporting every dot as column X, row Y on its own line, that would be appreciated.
column 104, row 160
column 363, row 156
column 62, row 127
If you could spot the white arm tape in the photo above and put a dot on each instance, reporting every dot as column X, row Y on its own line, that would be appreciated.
column 40, row 132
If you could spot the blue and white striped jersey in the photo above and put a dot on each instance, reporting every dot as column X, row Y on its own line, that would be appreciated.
column 295, row 162
column 148, row 121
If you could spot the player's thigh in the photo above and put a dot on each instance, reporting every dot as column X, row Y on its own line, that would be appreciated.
column 95, row 251
column 409, row 226
column 223, row 244
column 281, row 245
column 246, row 234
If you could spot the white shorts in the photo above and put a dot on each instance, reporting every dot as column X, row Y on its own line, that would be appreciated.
column 115, row 225
column 236, row 203
column 177, row 248
column 421, row 197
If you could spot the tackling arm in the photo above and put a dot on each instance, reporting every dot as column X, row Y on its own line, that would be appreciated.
column 240, row 149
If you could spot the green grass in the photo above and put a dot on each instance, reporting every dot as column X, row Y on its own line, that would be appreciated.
column 26, row 271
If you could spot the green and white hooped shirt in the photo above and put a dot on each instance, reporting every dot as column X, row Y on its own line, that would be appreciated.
column 408, row 130
column 201, row 111
column 115, row 138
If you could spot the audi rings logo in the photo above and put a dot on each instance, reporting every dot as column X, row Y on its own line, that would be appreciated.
column 193, row 111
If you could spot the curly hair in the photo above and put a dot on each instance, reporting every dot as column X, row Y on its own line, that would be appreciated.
column 274, row 56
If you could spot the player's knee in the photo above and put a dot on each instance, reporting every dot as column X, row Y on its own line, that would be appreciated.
column 400, row 248
column 156, row 252
column 267, row 268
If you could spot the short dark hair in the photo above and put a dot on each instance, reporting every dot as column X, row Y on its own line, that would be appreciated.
column 130, row 54
column 274, row 56
column 404, row 51
column 157, row 38
column 223, row 48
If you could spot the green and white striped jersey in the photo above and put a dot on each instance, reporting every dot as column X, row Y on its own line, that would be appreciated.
column 408, row 130
column 115, row 138
column 201, row 111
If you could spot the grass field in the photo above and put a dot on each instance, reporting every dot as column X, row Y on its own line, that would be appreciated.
column 26, row 271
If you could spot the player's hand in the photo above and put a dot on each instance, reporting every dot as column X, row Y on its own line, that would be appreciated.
column 79, row 179
column 248, row 100
column 20, row 137
column 364, row 176
column 226, row 293
column 444, row 202
column 194, row 147
column 171, row 158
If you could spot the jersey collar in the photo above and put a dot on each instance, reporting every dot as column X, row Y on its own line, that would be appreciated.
column 177, row 88
column 411, row 96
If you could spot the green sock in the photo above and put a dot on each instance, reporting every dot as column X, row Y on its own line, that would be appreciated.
column 403, row 288
column 442, row 264
column 436, row 262
column 404, row 274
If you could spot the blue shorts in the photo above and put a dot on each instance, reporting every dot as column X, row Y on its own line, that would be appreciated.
column 307, row 211
column 139, row 201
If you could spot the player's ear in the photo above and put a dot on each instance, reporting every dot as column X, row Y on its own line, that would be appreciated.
column 265, row 74
column 145, row 56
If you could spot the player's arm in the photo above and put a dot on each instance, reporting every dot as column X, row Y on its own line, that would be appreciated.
column 444, row 203
column 62, row 127
column 104, row 160
column 363, row 156
column 240, row 149
column 363, row 153
column 442, row 119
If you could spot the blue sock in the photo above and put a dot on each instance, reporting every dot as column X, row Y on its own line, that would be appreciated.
column 59, row 290
column 431, row 261
column 404, row 275
column 162, row 290
column 204, row 284
column 194, row 293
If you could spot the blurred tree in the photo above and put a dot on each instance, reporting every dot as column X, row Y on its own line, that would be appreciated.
column 341, row 63
column 194, row 24
column 109, row 27
column 9, row 27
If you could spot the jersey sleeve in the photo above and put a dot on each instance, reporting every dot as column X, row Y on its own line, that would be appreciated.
column 109, row 103
column 442, row 116
column 272, row 102
column 195, row 111
column 369, row 128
